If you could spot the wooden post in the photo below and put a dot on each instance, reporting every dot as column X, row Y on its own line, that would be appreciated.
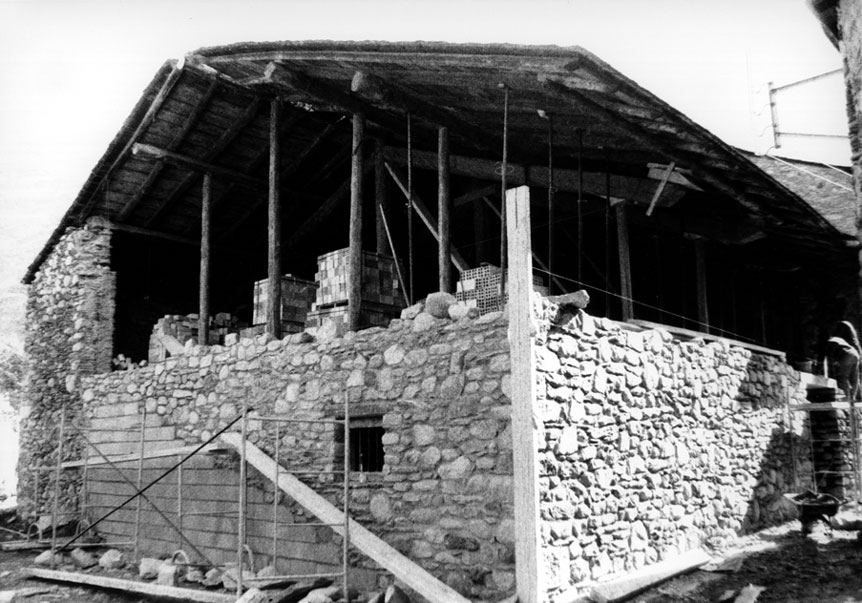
column 529, row 567
column 700, row 269
column 625, row 262
column 380, row 198
column 444, row 205
column 479, row 233
column 273, row 285
column 204, row 293
column 354, row 278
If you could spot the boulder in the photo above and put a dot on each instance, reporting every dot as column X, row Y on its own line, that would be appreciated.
column 82, row 558
column 112, row 559
column 437, row 304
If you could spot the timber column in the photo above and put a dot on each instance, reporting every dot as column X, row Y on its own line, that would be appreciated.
column 354, row 273
column 273, row 316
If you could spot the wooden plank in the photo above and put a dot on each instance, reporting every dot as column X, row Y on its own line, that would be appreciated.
column 427, row 219
column 444, row 203
column 401, row 567
column 529, row 570
column 632, row 583
column 659, row 189
column 628, row 311
column 130, row 586
column 151, row 454
column 380, row 201
column 354, row 265
column 196, row 165
column 273, row 285
column 148, row 232
column 204, row 290
column 706, row 336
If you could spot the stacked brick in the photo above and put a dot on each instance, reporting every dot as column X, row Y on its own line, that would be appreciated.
column 381, row 299
column 480, row 288
column 297, row 297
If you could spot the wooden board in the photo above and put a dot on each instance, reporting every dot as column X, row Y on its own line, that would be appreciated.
column 635, row 582
column 152, row 454
column 525, row 422
column 130, row 586
column 387, row 557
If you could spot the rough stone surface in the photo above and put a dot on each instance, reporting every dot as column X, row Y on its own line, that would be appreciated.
column 439, row 392
column 112, row 559
column 437, row 304
column 652, row 445
column 69, row 333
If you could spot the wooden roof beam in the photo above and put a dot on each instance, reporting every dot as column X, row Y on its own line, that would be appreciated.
column 177, row 139
column 532, row 175
column 651, row 141
column 376, row 90
column 280, row 76
column 197, row 166
column 228, row 136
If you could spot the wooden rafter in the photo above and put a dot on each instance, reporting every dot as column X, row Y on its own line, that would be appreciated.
column 197, row 166
column 177, row 139
column 217, row 147
column 651, row 141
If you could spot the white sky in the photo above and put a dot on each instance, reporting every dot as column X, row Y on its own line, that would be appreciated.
column 71, row 71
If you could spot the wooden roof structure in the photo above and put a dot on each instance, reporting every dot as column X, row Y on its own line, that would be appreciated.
column 210, row 112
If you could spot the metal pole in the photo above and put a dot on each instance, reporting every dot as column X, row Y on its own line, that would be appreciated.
column 140, row 480
column 36, row 493
column 410, row 205
column 550, row 204
column 505, row 168
column 84, row 494
column 275, row 499
column 240, row 540
column 58, row 469
column 346, row 538
column 180, row 503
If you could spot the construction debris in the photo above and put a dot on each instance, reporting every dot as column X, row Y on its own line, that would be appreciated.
column 82, row 558
column 749, row 594
column 149, row 568
column 112, row 559
column 48, row 558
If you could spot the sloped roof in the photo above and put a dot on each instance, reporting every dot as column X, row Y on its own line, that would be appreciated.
column 213, row 108
column 827, row 189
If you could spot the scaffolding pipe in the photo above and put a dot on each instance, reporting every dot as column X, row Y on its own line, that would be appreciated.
column 346, row 536
column 241, row 519
column 56, row 505
column 140, row 480
column 180, row 503
column 275, row 498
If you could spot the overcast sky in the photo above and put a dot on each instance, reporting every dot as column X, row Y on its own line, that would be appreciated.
column 71, row 70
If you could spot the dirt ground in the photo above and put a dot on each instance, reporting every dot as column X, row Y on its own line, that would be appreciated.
column 824, row 567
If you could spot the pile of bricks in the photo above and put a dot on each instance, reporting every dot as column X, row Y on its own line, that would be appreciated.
column 480, row 287
column 297, row 297
column 381, row 299
column 182, row 328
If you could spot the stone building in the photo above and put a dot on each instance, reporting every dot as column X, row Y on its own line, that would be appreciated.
column 531, row 446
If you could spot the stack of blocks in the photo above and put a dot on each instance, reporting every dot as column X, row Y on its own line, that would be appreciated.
column 182, row 328
column 480, row 288
column 297, row 297
column 381, row 299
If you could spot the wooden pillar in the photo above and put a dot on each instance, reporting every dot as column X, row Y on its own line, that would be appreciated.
column 354, row 272
column 444, row 208
column 380, row 199
column 273, row 315
column 628, row 311
column 480, row 233
column 529, row 566
column 700, row 270
column 204, row 291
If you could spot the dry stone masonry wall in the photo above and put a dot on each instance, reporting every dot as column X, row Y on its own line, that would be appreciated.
column 652, row 445
column 439, row 388
column 850, row 26
column 69, row 329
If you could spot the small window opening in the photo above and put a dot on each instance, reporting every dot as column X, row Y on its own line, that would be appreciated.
column 366, row 444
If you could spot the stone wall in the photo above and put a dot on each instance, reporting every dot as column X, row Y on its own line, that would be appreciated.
column 69, row 333
column 439, row 388
column 850, row 33
column 654, row 444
